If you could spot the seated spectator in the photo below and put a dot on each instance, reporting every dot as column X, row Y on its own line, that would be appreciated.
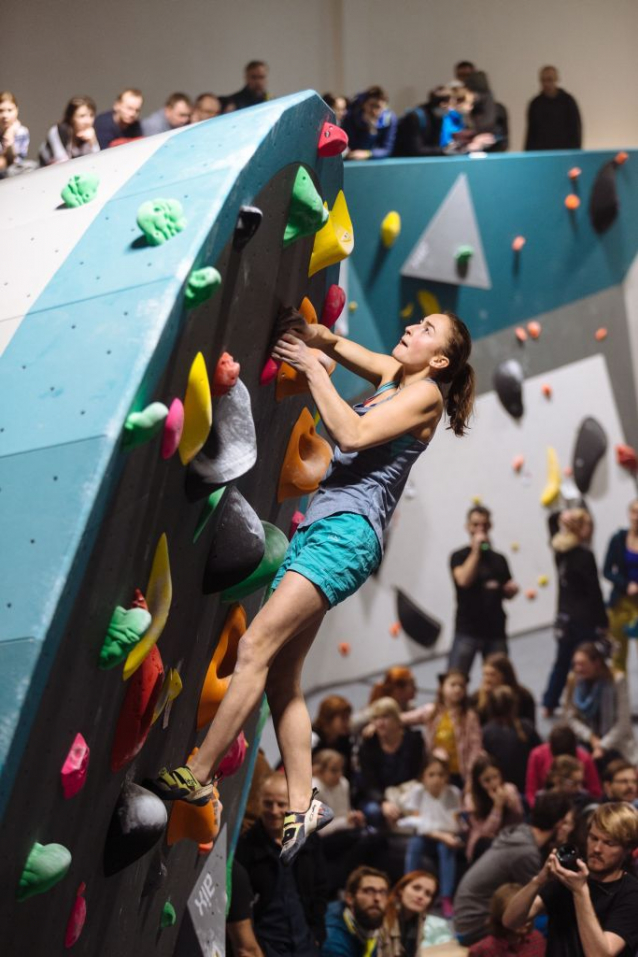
column 498, row 670
column 353, row 925
column 290, row 902
column 240, row 933
column 501, row 942
column 405, row 926
column 390, row 756
column 398, row 683
column 338, row 104
column 419, row 129
column 206, row 107
column 175, row 113
column 370, row 125
column 123, row 121
column 462, row 70
column 562, row 740
column 620, row 782
column 253, row 92
column 492, row 803
column 479, row 132
column 553, row 118
column 514, row 857
column 14, row 138
column 508, row 738
column 432, row 808
column 456, row 117
column 597, row 706
column 451, row 729
column 566, row 774
column 74, row 136
column 331, row 729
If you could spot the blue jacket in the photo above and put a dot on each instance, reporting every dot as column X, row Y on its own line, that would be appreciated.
column 340, row 942
column 615, row 568
column 380, row 142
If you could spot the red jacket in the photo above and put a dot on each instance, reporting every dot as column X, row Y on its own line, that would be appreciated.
column 539, row 763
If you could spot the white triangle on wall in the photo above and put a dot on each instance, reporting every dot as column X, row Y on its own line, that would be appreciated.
column 454, row 224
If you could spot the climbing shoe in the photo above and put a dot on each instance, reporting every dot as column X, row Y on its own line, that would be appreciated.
column 298, row 825
column 180, row 785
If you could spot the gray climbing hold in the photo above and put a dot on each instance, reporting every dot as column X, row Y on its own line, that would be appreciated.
column 591, row 445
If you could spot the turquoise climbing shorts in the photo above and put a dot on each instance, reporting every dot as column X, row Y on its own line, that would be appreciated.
column 337, row 554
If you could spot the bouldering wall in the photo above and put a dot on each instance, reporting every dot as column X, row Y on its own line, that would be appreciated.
column 142, row 514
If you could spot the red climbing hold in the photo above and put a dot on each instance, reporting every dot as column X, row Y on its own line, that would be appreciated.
column 76, row 921
column 332, row 140
column 295, row 522
column 269, row 372
column 627, row 458
column 333, row 305
column 226, row 375
column 137, row 710
column 75, row 767
column 234, row 757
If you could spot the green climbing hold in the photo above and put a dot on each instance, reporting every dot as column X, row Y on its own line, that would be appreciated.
column 141, row 426
column 46, row 865
column 210, row 505
column 307, row 214
column 201, row 285
column 80, row 189
column 276, row 545
column 128, row 626
column 464, row 254
column 168, row 916
column 160, row 220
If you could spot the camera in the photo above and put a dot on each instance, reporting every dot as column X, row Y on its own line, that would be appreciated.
column 567, row 857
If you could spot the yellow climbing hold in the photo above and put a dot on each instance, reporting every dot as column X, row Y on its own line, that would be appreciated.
column 406, row 312
column 353, row 306
column 159, row 594
column 198, row 411
column 335, row 240
column 171, row 687
column 552, row 487
column 543, row 581
column 390, row 229
column 428, row 302
column 515, row 546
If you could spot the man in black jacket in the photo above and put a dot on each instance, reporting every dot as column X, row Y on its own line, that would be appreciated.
column 553, row 119
column 290, row 902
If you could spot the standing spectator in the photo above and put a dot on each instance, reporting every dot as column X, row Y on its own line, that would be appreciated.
column 553, row 119
column 462, row 70
column 621, row 569
column 591, row 910
column 562, row 740
column 14, row 138
column 501, row 942
column 482, row 579
column 371, row 126
column 405, row 929
column 240, row 933
column 290, row 902
column 620, row 782
column 253, row 92
column 74, row 136
column 581, row 614
column 353, row 925
column 175, row 113
column 338, row 104
column 419, row 130
column 206, row 107
column 498, row 670
column 331, row 729
column 492, row 803
column 123, row 121
column 508, row 738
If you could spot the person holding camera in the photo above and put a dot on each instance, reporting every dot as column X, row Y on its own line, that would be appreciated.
column 592, row 904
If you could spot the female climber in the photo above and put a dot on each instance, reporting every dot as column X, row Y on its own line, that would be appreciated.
column 340, row 541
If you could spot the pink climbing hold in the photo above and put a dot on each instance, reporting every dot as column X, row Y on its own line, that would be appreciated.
column 574, row 172
column 534, row 328
column 518, row 462
column 269, row 372
column 333, row 305
column 295, row 522
column 234, row 757
column 520, row 334
column 76, row 921
column 517, row 243
column 75, row 767
column 332, row 140
column 173, row 428
column 226, row 375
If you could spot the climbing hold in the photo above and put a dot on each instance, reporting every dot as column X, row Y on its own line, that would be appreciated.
column 574, row 172
column 173, row 428
column 335, row 240
column 390, row 229
column 160, row 220
column 344, row 649
column 416, row 623
column 126, row 628
column 205, row 848
column 171, row 688
column 515, row 546
column 530, row 594
column 275, row 550
column 234, row 757
column 600, row 334
column 201, row 285
column 137, row 824
column 406, row 312
column 138, row 708
column 226, row 374
column 198, row 411
column 156, row 874
column 306, row 460
column 307, row 213
column 75, row 767
column 209, row 507
column 332, row 140
column 603, row 200
column 395, row 629
column 543, row 581
column 428, row 302
column 231, row 449
column 520, row 333
column 142, row 426
column 572, row 202
column 237, row 545
column 45, row 866
column 291, row 381
column 77, row 918
column 168, row 917
column 295, row 522
column 591, row 445
column 308, row 311
column 248, row 222
column 508, row 383
column 547, row 390
column 222, row 665
column 463, row 254
column 552, row 486
column 353, row 306
column 80, row 189
column 518, row 462
column 159, row 594
column 517, row 243
column 269, row 372
column 534, row 328
column 333, row 305
column 621, row 157
column 476, row 500
column 627, row 458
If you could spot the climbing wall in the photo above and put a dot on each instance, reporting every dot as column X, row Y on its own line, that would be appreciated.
column 151, row 459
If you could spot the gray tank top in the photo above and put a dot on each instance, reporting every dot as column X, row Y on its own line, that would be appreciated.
column 369, row 482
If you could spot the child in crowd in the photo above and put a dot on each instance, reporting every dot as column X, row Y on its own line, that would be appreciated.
column 492, row 804
column 499, row 670
column 331, row 729
column 501, row 942
column 507, row 737
column 432, row 808
column 451, row 728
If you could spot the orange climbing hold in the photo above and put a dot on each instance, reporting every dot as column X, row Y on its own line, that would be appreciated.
column 137, row 710
column 518, row 462
column 308, row 311
column 621, row 157
column 221, row 666
column 517, row 243
column 547, row 390
column 292, row 382
column 191, row 822
column 530, row 594
column 572, row 202
column 574, row 172
column 226, row 374
column 520, row 333
column 534, row 328
column 600, row 334
column 306, row 460
column 395, row 629
column 344, row 649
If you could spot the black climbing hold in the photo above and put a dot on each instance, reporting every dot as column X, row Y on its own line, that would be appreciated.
column 248, row 222
column 591, row 445
column 416, row 623
column 155, row 875
column 508, row 382
column 238, row 543
column 137, row 824
column 603, row 200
